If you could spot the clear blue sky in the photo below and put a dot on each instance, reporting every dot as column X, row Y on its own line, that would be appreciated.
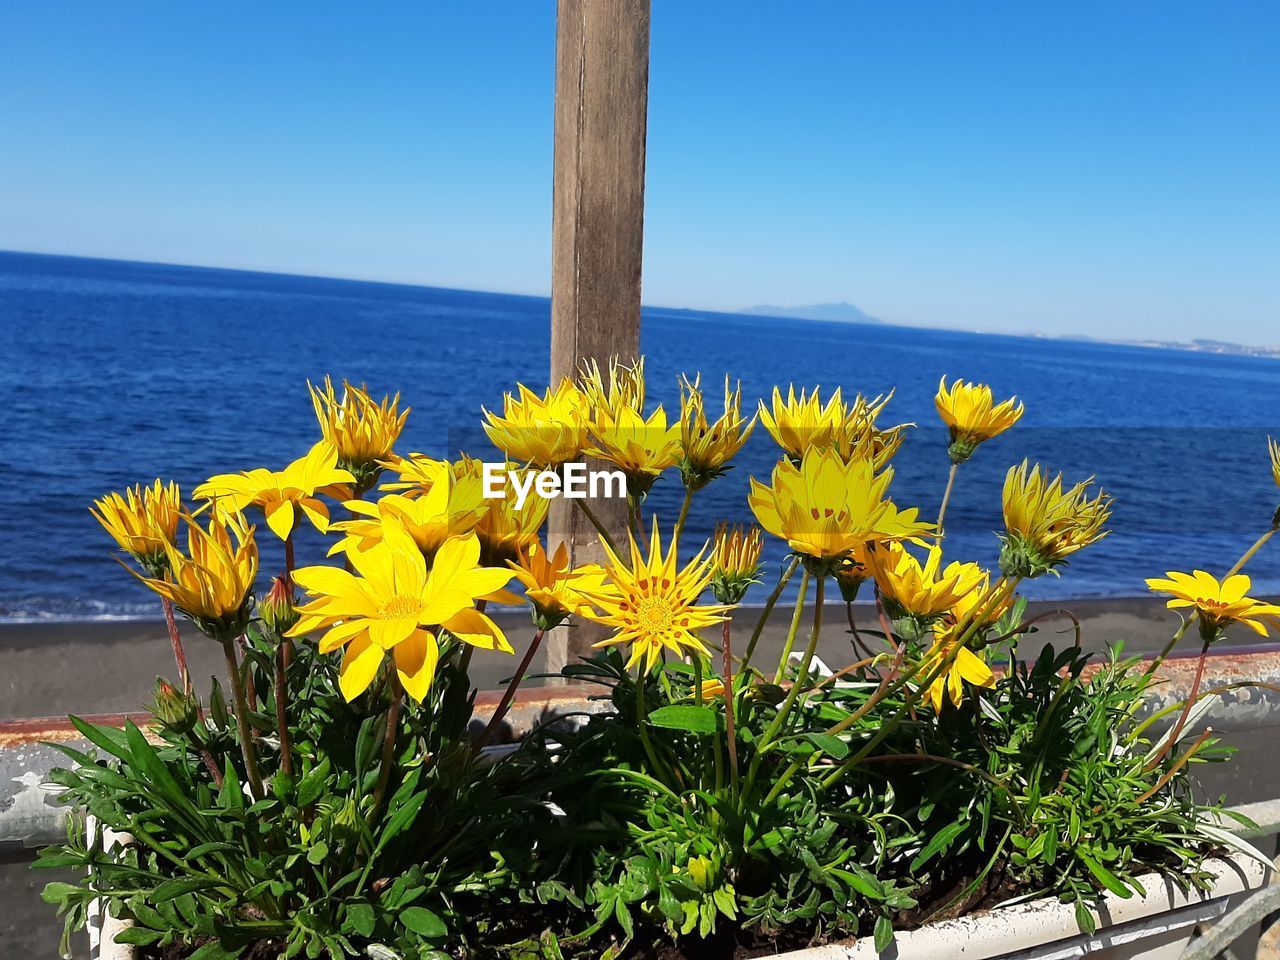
column 1106, row 168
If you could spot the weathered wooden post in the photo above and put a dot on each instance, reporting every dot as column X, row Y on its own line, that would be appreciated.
column 602, row 97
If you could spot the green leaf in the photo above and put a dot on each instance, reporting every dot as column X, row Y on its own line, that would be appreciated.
column 883, row 933
column 317, row 853
column 138, row 936
column 172, row 889
column 1106, row 877
column 1085, row 919
column 941, row 840
column 831, row 745
column 108, row 738
column 692, row 719
column 213, row 950
column 423, row 922
column 361, row 918
column 312, row 785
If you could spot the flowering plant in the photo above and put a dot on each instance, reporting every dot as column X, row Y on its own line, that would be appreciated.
column 343, row 801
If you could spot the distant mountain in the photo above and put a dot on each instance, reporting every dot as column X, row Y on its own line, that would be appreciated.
column 838, row 312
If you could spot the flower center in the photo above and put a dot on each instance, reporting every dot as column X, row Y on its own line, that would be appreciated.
column 654, row 614
column 400, row 608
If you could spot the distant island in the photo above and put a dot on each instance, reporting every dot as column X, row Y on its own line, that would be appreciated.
column 848, row 313
column 837, row 312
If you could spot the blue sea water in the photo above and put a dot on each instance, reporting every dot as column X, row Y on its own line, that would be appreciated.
column 114, row 373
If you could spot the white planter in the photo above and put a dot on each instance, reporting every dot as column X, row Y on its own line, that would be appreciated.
column 1155, row 927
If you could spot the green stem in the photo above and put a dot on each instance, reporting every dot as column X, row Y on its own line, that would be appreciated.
column 1003, row 589
column 793, row 694
column 946, row 498
column 730, row 704
column 388, row 741
column 795, row 627
column 595, row 522
column 768, row 609
column 1248, row 554
column 642, row 722
column 505, row 704
column 684, row 511
column 247, row 748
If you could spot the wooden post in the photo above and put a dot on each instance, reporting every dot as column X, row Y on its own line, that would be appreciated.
column 602, row 97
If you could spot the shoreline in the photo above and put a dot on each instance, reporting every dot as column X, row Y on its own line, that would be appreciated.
column 100, row 666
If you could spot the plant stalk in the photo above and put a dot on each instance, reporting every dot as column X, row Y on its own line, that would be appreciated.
column 946, row 498
column 505, row 703
column 768, row 609
column 248, row 750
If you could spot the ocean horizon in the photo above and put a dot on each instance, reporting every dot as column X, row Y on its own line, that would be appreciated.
column 118, row 372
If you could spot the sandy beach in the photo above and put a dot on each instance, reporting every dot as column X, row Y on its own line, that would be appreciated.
column 52, row 669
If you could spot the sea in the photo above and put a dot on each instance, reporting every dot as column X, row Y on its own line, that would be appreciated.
column 114, row 373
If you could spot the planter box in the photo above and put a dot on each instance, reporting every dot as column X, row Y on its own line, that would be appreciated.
column 1155, row 927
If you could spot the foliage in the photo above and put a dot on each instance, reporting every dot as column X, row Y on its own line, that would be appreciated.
column 345, row 805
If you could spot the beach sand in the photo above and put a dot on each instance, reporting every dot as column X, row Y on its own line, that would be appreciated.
column 51, row 669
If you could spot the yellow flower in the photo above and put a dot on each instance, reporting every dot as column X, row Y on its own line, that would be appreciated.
column 852, row 573
column 640, row 447
column 735, row 561
column 283, row 493
column 825, row 508
column 1274, row 449
column 924, row 591
column 711, row 687
column 706, row 448
column 543, row 432
column 143, row 521
column 393, row 604
column 624, row 386
column 800, row 423
column 417, row 471
column 967, row 666
column 972, row 415
column 1045, row 523
column 505, row 529
column 652, row 604
column 552, row 586
column 1218, row 604
column 974, row 608
column 361, row 429
column 448, row 509
column 212, row 581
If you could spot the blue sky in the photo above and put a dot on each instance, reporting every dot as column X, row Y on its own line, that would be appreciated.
column 1102, row 168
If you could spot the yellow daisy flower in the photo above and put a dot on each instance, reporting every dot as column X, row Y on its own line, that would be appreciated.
column 623, row 386
column 143, row 522
column 641, row 447
column 282, row 494
column 966, row 667
column 554, row 587
column 972, row 415
column 706, row 448
column 1218, row 603
column 542, row 431
column 921, row 590
column 825, row 508
column 804, row 422
column 1045, row 523
column 652, row 604
column 361, row 429
column 392, row 604
column 212, row 581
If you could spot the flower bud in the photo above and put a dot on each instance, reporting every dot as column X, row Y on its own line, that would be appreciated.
column 173, row 708
column 278, row 609
column 735, row 561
